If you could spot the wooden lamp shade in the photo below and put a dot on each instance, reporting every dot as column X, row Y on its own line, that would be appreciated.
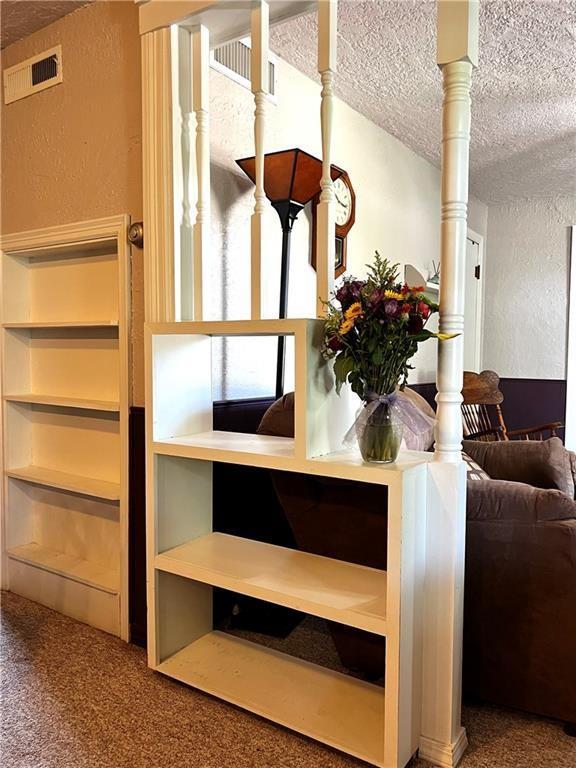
column 290, row 174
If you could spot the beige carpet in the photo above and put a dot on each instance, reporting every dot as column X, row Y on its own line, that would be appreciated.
column 74, row 697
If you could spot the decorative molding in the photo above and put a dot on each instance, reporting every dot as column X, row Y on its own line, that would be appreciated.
column 107, row 228
column 441, row 755
column 157, row 156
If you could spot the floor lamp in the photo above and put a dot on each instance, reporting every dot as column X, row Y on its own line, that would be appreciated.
column 291, row 179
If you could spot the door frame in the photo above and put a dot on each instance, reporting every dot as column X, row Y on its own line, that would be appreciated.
column 570, row 429
column 479, row 356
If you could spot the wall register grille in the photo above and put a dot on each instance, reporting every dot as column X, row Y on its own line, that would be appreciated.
column 35, row 74
column 233, row 60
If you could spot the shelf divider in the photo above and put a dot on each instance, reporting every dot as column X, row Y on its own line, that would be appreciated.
column 32, row 398
column 63, row 324
column 333, row 708
column 71, row 567
column 64, row 481
column 351, row 594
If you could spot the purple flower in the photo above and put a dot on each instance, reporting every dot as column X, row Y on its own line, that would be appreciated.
column 349, row 292
column 335, row 344
column 392, row 309
column 415, row 324
column 376, row 304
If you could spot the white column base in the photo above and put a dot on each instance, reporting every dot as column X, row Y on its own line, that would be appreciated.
column 441, row 754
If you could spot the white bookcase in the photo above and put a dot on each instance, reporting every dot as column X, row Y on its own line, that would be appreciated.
column 65, row 385
column 186, row 558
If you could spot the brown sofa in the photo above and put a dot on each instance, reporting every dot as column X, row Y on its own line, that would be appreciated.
column 520, row 593
column 520, row 590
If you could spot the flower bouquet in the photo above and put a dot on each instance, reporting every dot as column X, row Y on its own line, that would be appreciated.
column 373, row 328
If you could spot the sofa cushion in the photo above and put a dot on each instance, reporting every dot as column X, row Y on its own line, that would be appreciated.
column 505, row 500
column 473, row 470
column 279, row 418
column 541, row 463
column 572, row 457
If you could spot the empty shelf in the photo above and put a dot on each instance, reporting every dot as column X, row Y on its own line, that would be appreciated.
column 351, row 594
column 71, row 567
column 338, row 710
column 65, row 402
column 235, row 447
column 64, row 324
column 52, row 478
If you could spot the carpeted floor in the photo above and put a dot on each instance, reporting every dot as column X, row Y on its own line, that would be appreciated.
column 74, row 697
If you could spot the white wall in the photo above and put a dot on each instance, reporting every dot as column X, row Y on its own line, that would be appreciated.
column 526, row 292
column 397, row 209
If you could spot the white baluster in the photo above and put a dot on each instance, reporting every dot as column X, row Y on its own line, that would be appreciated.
column 325, row 242
column 443, row 739
column 184, row 171
column 455, row 145
column 200, row 104
column 259, row 66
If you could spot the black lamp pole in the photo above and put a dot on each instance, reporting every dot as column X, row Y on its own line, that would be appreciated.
column 287, row 211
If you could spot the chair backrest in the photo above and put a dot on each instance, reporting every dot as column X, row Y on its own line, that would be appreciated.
column 481, row 412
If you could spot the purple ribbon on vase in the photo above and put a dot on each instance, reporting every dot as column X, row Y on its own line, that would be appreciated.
column 419, row 426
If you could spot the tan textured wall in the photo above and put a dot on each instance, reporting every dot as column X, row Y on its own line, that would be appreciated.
column 73, row 152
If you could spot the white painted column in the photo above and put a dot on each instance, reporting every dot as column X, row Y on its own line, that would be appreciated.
column 326, row 231
column 443, row 739
column 200, row 105
column 570, row 432
column 260, row 85
column 157, row 176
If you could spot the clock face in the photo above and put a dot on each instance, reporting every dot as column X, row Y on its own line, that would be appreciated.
column 343, row 202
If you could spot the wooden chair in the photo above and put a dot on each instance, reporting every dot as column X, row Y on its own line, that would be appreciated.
column 482, row 413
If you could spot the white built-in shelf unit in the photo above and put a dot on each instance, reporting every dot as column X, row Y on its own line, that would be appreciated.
column 187, row 558
column 66, row 395
column 416, row 604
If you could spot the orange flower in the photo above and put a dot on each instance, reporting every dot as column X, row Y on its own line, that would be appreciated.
column 354, row 311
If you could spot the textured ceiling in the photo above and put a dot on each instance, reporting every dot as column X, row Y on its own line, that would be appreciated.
column 20, row 18
column 524, row 90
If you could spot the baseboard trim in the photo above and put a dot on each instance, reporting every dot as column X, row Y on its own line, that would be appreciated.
column 442, row 754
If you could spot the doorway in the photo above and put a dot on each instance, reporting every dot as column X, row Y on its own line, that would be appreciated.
column 473, row 300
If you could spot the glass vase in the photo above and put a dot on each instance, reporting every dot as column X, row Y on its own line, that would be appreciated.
column 379, row 438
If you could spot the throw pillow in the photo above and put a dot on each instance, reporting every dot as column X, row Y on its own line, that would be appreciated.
column 279, row 418
column 473, row 470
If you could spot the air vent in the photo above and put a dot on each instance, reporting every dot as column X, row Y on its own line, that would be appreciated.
column 233, row 60
column 33, row 75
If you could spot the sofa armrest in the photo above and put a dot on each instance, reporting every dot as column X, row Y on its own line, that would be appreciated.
column 506, row 500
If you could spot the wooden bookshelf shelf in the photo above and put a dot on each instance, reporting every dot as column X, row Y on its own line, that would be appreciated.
column 64, row 402
column 75, row 568
column 278, row 453
column 63, row 324
column 87, row 486
column 333, row 708
column 232, row 447
column 332, row 589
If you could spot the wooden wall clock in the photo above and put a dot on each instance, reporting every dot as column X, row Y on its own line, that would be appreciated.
column 345, row 217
